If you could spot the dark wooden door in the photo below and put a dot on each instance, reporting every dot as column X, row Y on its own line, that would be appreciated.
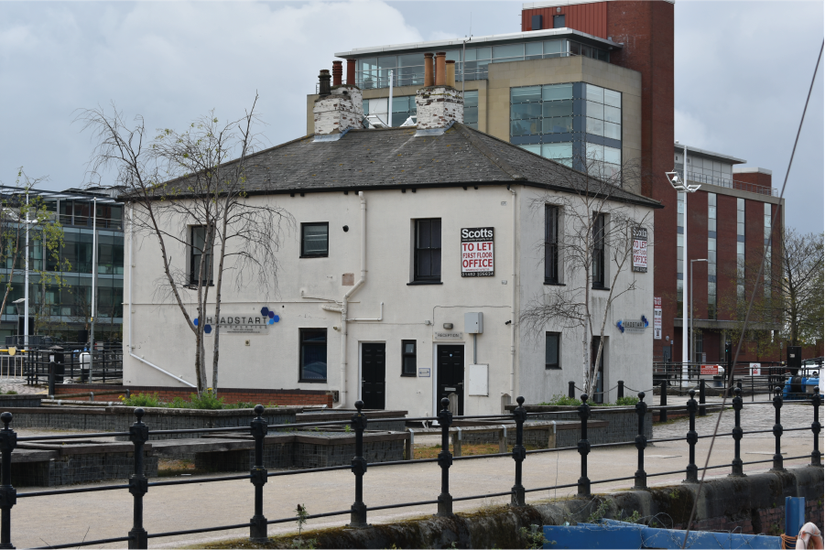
column 373, row 375
column 450, row 365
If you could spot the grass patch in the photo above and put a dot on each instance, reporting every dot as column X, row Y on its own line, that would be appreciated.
column 207, row 400
column 467, row 449
column 170, row 467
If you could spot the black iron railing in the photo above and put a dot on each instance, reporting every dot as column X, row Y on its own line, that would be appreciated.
column 138, row 484
column 55, row 364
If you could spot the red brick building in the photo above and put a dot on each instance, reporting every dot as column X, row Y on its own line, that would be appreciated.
column 645, row 32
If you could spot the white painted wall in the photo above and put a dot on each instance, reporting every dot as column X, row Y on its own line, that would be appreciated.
column 271, row 360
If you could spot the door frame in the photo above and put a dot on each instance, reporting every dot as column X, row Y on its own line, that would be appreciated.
column 435, row 370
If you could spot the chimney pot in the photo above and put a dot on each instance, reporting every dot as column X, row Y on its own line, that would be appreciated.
column 440, row 68
column 337, row 72
column 428, row 69
column 323, row 78
column 451, row 73
column 350, row 72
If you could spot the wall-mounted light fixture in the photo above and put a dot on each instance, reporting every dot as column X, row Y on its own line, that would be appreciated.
column 448, row 326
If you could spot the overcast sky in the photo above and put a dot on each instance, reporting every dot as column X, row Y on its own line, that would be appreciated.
column 742, row 73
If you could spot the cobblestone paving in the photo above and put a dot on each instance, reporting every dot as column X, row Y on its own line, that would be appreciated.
column 758, row 415
column 19, row 385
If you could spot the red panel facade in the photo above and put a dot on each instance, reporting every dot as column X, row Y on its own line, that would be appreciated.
column 725, row 254
column 646, row 31
column 754, row 178
column 698, row 249
column 589, row 18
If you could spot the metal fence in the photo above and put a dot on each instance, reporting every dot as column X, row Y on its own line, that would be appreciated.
column 58, row 363
column 138, row 484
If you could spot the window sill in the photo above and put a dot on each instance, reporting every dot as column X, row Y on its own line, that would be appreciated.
column 552, row 368
column 413, row 283
column 312, row 381
column 548, row 283
column 194, row 286
column 314, row 255
column 408, row 375
column 600, row 288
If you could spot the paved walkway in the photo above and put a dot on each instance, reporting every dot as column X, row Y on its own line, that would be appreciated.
column 59, row 519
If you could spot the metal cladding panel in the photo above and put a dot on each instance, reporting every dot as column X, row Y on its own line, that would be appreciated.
column 590, row 18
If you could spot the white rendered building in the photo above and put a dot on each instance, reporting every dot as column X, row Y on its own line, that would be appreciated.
column 414, row 253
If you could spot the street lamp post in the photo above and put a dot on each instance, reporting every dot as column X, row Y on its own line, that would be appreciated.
column 681, row 185
column 692, row 329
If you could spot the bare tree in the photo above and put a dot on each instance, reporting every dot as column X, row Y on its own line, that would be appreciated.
column 595, row 244
column 190, row 188
column 789, row 297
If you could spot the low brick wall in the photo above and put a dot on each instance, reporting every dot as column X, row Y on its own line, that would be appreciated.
column 21, row 400
column 280, row 397
column 301, row 450
column 69, row 462
column 119, row 418
column 622, row 425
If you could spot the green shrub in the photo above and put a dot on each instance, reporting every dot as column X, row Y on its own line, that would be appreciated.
column 142, row 400
column 627, row 401
column 179, row 403
column 562, row 400
column 206, row 400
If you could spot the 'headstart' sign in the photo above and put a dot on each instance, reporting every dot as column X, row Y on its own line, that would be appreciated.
column 477, row 257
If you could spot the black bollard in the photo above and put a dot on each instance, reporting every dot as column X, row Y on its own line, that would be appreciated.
column 641, row 442
column 257, row 525
column 777, row 431
column 138, row 483
column 519, row 453
column 445, row 460
column 619, row 390
column 816, row 427
column 663, row 402
column 702, row 409
column 692, row 439
column 584, row 447
column 736, row 465
column 8, row 494
column 571, row 390
column 358, row 511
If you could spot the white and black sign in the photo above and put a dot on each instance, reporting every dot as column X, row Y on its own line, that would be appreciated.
column 657, row 317
column 477, row 256
column 640, row 249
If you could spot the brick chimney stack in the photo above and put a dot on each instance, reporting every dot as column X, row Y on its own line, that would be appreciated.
column 339, row 107
column 438, row 104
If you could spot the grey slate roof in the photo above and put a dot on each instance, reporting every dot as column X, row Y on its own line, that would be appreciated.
column 396, row 158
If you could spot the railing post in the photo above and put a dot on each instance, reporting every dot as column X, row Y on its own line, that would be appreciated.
column 8, row 495
column 692, row 439
column 777, row 431
column 736, row 465
column 702, row 409
column 816, row 427
column 619, row 389
column 138, row 483
column 641, row 443
column 358, row 511
column 584, row 447
column 257, row 525
column 519, row 453
column 571, row 390
column 445, row 460
column 663, row 402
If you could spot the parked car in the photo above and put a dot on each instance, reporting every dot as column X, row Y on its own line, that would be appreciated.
column 802, row 384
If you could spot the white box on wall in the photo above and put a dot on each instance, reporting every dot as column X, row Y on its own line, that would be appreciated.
column 478, row 380
column 473, row 322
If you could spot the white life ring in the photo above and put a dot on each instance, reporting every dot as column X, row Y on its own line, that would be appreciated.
column 809, row 537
